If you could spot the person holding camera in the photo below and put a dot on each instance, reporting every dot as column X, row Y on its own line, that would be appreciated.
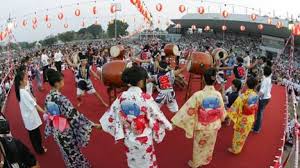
column 14, row 154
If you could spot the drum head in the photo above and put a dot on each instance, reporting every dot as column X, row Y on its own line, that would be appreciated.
column 114, row 51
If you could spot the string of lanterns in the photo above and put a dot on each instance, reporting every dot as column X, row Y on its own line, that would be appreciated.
column 139, row 4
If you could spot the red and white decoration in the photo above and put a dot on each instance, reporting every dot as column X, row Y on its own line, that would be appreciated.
column 260, row 27
column 77, row 12
column 159, row 7
column 224, row 28
column 225, row 13
column 182, row 8
column 253, row 16
column 201, row 10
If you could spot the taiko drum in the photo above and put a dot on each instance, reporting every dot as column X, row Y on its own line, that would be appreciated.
column 219, row 54
column 111, row 74
column 117, row 52
column 199, row 62
column 171, row 50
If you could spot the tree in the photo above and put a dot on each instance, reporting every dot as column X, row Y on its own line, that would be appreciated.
column 95, row 30
column 49, row 41
column 67, row 36
column 121, row 28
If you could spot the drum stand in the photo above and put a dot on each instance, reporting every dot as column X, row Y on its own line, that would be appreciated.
column 193, row 77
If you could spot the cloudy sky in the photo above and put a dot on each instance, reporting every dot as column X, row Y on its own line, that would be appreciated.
column 28, row 9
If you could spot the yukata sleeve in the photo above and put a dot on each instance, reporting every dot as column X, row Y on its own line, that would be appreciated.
column 186, row 117
column 80, row 125
column 157, row 121
column 236, row 109
column 111, row 122
column 222, row 106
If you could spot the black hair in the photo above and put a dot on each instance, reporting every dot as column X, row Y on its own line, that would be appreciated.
column 240, row 60
column 251, row 82
column 133, row 75
column 22, row 68
column 18, row 78
column 210, row 76
column 54, row 76
column 207, row 48
column 269, row 63
column 237, row 83
column 267, row 71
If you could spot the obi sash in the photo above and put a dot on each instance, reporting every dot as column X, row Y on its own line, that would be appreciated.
column 249, row 110
column 250, row 107
column 206, row 117
column 53, row 114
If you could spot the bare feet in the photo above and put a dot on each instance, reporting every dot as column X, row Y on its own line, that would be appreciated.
column 232, row 151
column 191, row 164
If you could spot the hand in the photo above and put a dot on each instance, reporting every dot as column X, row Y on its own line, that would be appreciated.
column 97, row 126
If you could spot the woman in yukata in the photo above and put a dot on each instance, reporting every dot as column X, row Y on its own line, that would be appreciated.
column 135, row 118
column 70, row 129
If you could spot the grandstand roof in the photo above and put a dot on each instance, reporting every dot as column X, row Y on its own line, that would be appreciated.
column 233, row 23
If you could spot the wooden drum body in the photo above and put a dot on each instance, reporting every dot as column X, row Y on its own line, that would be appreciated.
column 117, row 52
column 171, row 50
column 219, row 54
column 111, row 74
column 199, row 63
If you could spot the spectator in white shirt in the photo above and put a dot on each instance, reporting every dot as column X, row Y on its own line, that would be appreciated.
column 45, row 63
column 265, row 96
column 29, row 112
column 58, row 60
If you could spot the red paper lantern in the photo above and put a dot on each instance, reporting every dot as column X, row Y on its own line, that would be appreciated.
column 113, row 8
column 34, row 26
column 260, row 27
column 34, row 20
column 46, row 18
column 253, row 16
column 159, row 7
column 138, row 4
column 60, row 16
column 224, row 27
column 279, row 25
column 242, row 28
column 133, row 1
column 178, row 26
column 201, row 10
column 269, row 21
column 24, row 23
column 82, row 24
column 77, row 12
column 49, row 25
column 66, row 25
column 94, row 10
column 181, row 8
column 225, row 13
column 296, row 30
column 207, row 28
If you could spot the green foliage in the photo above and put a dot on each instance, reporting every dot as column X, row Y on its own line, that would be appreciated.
column 67, row 36
column 121, row 28
column 49, row 41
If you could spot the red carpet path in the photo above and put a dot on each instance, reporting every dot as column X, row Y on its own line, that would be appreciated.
column 174, row 151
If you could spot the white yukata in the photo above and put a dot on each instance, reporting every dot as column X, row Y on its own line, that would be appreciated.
column 166, row 92
column 135, row 117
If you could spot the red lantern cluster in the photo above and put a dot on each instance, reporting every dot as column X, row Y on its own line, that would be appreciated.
column 182, row 8
column 201, row 10
column 142, row 9
column 159, row 7
column 296, row 30
column 46, row 18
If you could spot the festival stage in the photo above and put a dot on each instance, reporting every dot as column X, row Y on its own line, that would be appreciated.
column 174, row 152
